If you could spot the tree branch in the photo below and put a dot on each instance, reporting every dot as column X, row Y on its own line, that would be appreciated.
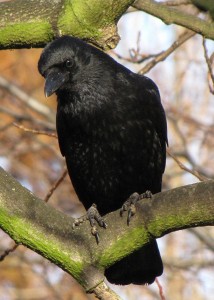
column 103, row 292
column 171, row 15
column 35, row 224
column 177, row 2
column 34, row 23
column 187, row 34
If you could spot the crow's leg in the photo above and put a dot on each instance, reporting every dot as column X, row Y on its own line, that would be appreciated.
column 93, row 216
column 129, row 204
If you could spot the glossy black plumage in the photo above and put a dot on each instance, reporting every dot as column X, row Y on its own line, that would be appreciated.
column 112, row 131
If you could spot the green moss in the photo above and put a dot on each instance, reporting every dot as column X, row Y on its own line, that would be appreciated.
column 74, row 18
column 122, row 246
column 31, row 33
column 22, row 232
column 163, row 221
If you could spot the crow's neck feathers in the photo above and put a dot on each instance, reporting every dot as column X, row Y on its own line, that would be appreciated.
column 91, row 92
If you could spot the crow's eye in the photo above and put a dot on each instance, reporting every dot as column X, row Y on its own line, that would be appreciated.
column 69, row 63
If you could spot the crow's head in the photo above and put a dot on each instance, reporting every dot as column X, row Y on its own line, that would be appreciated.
column 68, row 60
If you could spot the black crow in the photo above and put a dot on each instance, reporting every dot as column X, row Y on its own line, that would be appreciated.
column 112, row 132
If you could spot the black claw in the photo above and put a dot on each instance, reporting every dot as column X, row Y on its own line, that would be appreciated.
column 129, row 217
column 100, row 220
column 102, row 223
column 130, row 203
column 93, row 217
column 146, row 195
column 97, row 237
column 129, row 206
column 95, row 233
column 131, row 212
column 123, row 208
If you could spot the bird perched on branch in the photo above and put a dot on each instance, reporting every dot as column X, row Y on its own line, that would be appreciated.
column 112, row 132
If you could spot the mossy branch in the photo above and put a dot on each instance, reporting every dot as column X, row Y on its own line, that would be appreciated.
column 40, row 227
column 171, row 15
column 33, row 23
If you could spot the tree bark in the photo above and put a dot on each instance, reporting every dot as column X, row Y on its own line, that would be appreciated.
column 34, row 23
column 171, row 15
column 40, row 227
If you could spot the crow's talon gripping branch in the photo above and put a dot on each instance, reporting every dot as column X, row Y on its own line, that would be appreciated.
column 146, row 195
column 130, row 203
column 93, row 217
column 79, row 221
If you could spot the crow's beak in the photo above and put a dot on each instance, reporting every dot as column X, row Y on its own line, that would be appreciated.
column 54, row 80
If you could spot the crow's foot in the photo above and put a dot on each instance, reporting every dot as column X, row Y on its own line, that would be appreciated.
column 130, row 204
column 92, row 216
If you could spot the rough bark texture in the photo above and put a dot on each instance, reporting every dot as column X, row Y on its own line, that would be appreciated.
column 35, row 224
column 33, row 23
column 171, row 15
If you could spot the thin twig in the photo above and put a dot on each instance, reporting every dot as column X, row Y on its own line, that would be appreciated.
column 175, row 114
column 26, row 117
column 183, row 167
column 55, row 185
column 209, row 65
column 29, row 101
column 6, row 126
column 203, row 237
column 60, row 179
column 8, row 251
column 188, row 264
column 35, row 131
column 187, row 34
column 137, row 58
column 160, row 289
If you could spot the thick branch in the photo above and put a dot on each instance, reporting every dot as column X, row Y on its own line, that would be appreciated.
column 33, row 23
column 34, row 223
column 171, row 15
